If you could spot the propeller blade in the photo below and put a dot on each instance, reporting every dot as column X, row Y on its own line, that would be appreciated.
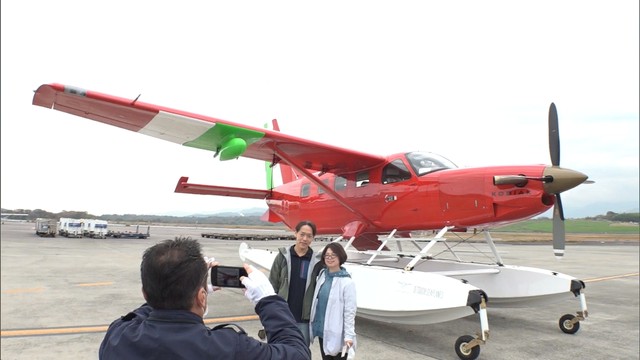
column 554, row 136
column 558, row 228
column 559, row 207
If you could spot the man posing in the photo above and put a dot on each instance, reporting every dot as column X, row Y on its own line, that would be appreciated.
column 293, row 275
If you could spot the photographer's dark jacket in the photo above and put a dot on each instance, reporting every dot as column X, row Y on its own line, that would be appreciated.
column 146, row 333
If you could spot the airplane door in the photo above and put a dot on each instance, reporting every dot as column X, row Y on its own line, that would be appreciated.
column 398, row 198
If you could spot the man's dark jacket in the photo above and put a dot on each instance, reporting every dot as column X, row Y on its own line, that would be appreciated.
column 146, row 333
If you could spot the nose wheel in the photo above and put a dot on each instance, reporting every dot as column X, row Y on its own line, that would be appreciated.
column 467, row 347
column 569, row 324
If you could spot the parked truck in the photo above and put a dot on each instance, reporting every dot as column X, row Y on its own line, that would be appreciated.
column 94, row 228
column 68, row 227
column 46, row 227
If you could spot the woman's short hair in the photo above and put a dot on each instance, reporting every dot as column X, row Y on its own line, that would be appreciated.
column 338, row 250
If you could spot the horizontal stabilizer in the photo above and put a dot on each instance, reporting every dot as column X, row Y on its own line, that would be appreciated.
column 187, row 188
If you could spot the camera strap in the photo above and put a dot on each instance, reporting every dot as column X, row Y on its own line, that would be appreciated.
column 230, row 326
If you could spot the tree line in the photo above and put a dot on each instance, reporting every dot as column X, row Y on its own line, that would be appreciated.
column 251, row 220
column 247, row 220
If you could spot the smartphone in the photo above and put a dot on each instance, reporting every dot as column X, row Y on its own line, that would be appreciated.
column 227, row 276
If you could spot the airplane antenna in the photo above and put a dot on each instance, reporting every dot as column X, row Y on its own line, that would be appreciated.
column 136, row 99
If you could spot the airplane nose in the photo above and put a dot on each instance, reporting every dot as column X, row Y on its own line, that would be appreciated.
column 560, row 179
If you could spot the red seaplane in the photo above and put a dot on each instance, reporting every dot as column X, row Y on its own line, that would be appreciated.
column 375, row 201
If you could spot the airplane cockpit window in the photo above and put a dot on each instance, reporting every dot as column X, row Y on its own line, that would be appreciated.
column 395, row 171
column 425, row 163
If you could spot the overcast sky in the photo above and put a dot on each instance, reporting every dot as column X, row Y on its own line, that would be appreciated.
column 470, row 80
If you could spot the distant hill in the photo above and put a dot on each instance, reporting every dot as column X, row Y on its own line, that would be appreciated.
column 600, row 208
column 244, row 217
column 255, row 211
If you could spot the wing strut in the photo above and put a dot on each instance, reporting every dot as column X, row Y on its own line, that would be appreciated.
column 322, row 185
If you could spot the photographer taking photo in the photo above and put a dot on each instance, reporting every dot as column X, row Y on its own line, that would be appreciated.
column 170, row 324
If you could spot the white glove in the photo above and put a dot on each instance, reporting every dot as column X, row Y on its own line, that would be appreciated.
column 210, row 263
column 257, row 285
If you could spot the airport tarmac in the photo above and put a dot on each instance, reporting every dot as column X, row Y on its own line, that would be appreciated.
column 59, row 295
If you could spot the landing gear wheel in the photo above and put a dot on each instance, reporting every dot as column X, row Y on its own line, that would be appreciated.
column 464, row 353
column 567, row 326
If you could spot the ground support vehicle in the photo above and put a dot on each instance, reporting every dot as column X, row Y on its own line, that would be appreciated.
column 129, row 235
column 46, row 227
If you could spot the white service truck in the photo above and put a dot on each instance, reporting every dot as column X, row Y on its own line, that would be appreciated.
column 94, row 228
column 68, row 227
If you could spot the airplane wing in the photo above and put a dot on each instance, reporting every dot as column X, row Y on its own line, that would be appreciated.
column 227, row 139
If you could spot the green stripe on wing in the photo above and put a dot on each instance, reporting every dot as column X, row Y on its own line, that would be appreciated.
column 226, row 140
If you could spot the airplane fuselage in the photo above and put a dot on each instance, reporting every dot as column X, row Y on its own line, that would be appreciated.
column 462, row 198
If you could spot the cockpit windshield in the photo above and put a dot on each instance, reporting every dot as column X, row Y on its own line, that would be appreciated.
column 424, row 163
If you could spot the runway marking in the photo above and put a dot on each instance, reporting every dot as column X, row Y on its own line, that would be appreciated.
column 611, row 277
column 57, row 331
column 103, row 328
column 24, row 290
column 231, row 319
column 105, row 283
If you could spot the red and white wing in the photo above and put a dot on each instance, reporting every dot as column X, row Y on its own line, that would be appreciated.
column 228, row 139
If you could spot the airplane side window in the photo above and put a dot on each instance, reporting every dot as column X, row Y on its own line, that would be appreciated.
column 394, row 172
column 321, row 190
column 340, row 184
column 362, row 178
column 305, row 190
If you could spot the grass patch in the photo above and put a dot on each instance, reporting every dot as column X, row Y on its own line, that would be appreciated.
column 573, row 226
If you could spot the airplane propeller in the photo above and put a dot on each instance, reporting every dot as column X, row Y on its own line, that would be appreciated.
column 555, row 180
column 562, row 179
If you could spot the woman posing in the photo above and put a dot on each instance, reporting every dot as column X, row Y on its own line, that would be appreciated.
column 333, row 311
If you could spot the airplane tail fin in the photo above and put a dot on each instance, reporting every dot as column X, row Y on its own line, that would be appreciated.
column 288, row 174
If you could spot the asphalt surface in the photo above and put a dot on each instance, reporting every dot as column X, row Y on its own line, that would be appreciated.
column 59, row 295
